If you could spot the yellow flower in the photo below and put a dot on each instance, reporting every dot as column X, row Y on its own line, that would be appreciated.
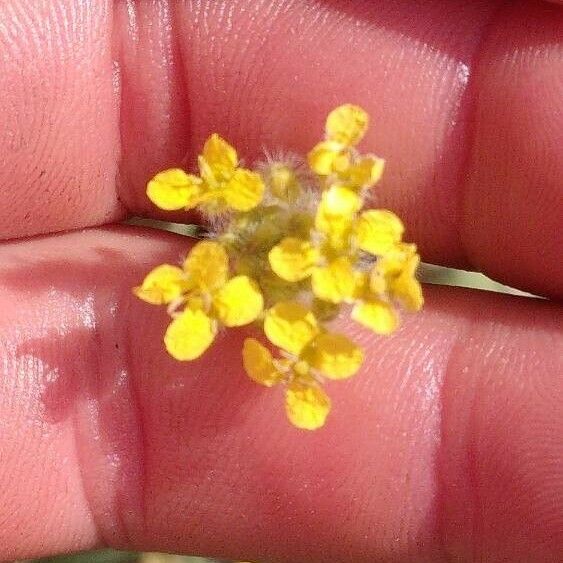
column 309, row 355
column 345, row 127
column 339, row 283
column 306, row 404
column 395, row 274
column 293, row 328
column 221, row 186
column 209, row 296
column 392, row 278
column 327, row 256
column 375, row 231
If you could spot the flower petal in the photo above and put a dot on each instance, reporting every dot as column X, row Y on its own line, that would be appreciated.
column 189, row 335
column 406, row 288
column 335, row 214
column 293, row 259
column 376, row 315
column 336, row 282
column 174, row 189
column 364, row 173
column 323, row 157
column 244, row 191
column 393, row 262
column 409, row 293
column 238, row 302
column 347, row 124
column 336, row 228
column 218, row 160
column 207, row 265
column 378, row 231
column 334, row 355
column 258, row 363
column 291, row 326
column 306, row 406
column 340, row 201
column 162, row 285
column 395, row 273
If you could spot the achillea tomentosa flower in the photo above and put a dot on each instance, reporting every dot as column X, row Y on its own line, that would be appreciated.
column 293, row 247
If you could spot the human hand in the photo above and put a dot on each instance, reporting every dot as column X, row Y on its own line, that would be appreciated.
column 448, row 444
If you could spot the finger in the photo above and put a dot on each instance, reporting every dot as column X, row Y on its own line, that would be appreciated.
column 446, row 445
column 513, row 213
column 59, row 141
column 468, row 171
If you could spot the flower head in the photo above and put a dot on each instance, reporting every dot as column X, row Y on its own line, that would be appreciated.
column 293, row 247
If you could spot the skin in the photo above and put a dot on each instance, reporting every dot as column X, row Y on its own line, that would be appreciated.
column 447, row 446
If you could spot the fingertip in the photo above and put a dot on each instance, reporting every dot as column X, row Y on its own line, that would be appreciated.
column 512, row 205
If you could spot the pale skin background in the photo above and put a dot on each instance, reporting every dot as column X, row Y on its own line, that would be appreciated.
column 446, row 447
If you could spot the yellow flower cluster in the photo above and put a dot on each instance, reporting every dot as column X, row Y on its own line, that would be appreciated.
column 293, row 247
